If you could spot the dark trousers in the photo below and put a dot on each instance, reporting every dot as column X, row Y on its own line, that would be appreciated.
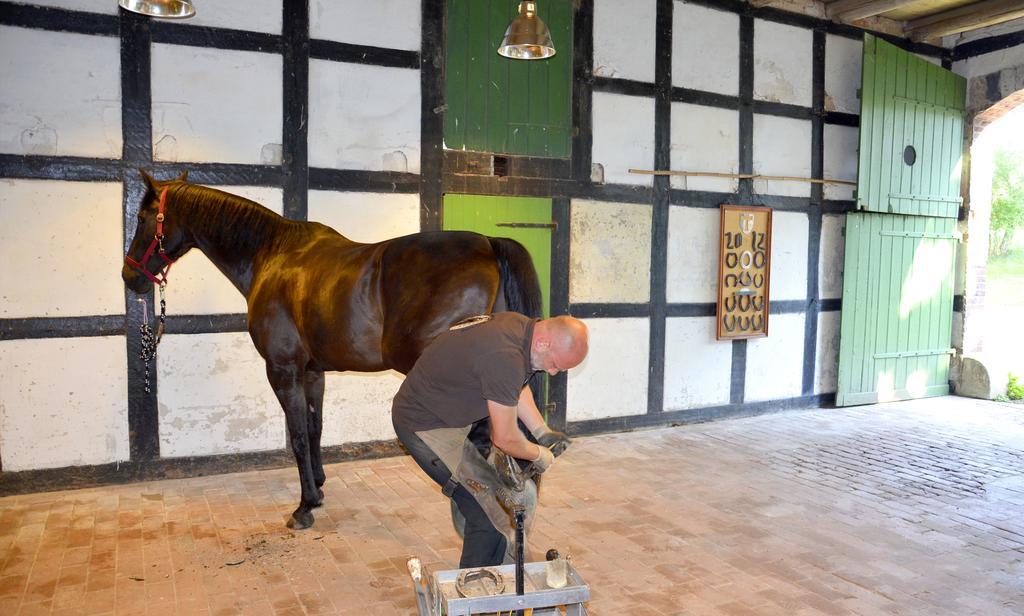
column 482, row 545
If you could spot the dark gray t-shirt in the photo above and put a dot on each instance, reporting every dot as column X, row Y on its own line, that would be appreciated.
column 461, row 370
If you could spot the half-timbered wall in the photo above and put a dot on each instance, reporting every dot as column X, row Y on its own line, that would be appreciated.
column 333, row 111
column 327, row 130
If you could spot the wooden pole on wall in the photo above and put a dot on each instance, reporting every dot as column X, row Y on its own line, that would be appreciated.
column 743, row 176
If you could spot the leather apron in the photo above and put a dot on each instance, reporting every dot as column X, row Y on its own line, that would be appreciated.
column 480, row 478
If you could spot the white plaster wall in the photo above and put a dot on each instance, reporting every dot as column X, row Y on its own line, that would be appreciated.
column 843, row 59
column 789, row 256
column 831, row 255
column 216, row 105
column 90, row 6
column 60, row 93
column 775, row 364
column 624, row 39
column 840, row 158
column 60, row 245
column 623, row 136
column 197, row 286
column 611, row 252
column 782, row 63
column 782, row 146
column 252, row 15
column 826, row 360
column 692, row 254
column 361, row 115
column 1006, row 27
column 612, row 380
column 357, row 407
column 698, row 368
column 704, row 139
column 705, row 49
column 64, row 402
column 214, row 397
column 990, row 62
column 394, row 24
column 366, row 217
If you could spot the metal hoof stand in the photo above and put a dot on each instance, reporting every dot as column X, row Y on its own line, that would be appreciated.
column 438, row 594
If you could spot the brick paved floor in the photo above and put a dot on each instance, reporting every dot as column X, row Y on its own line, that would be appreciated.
column 911, row 508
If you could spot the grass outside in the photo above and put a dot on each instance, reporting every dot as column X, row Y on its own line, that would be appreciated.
column 1004, row 307
column 1004, row 284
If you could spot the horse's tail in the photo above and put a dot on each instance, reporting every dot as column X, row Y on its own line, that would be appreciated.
column 518, row 277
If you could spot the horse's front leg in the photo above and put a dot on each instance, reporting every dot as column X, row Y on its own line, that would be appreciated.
column 288, row 383
column 314, row 386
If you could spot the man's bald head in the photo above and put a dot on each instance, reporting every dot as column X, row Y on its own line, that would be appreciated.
column 559, row 343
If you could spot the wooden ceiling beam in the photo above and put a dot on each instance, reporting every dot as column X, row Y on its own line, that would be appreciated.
column 847, row 11
column 964, row 18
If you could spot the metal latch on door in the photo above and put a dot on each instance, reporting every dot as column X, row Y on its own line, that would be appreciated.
column 528, row 225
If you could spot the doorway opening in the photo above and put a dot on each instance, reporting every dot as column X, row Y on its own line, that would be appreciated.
column 993, row 334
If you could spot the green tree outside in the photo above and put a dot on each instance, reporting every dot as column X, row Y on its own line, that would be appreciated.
column 1007, row 200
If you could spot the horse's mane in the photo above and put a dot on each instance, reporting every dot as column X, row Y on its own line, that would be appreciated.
column 234, row 223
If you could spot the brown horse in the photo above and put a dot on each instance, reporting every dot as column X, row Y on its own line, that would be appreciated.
column 318, row 301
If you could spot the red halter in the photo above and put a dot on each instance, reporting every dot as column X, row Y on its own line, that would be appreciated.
column 160, row 277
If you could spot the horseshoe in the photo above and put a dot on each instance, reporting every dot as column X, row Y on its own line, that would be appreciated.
column 725, row 322
column 746, row 222
column 725, row 303
column 740, row 303
column 754, row 303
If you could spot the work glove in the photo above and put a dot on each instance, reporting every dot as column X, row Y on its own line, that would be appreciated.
column 554, row 440
column 543, row 460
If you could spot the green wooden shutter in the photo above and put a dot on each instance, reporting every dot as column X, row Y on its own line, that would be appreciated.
column 495, row 104
column 907, row 101
column 895, row 336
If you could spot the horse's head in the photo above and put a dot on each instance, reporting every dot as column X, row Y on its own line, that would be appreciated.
column 159, row 239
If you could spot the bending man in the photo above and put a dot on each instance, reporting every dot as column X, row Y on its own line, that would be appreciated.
column 476, row 372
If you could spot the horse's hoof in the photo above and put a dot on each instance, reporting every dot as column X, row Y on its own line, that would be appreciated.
column 300, row 520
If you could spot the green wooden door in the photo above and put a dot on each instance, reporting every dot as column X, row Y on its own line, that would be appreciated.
column 911, row 134
column 495, row 104
column 895, row 336
column 897, row 308
column 492, row 216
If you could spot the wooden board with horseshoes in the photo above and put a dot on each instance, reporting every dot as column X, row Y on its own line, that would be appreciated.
column 744, row 266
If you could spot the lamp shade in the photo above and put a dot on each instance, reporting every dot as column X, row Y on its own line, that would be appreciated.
column 165, row 9
column 527, row 37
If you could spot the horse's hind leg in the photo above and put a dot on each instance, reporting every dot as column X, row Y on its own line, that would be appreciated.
column 314, row 385
column 287, row 381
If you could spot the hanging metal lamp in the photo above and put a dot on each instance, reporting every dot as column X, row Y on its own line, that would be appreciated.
column 527, row 37
column 164, row 9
